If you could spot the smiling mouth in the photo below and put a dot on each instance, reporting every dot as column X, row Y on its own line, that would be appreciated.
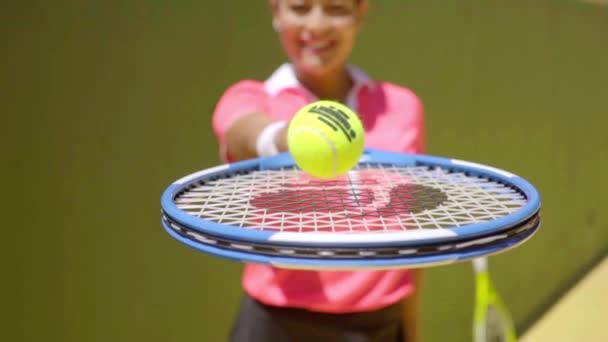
column 318, row 47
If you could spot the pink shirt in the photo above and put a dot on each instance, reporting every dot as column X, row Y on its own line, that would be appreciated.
column 393, row 120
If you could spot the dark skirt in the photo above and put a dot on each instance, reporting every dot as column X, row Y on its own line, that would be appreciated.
column 257, row 322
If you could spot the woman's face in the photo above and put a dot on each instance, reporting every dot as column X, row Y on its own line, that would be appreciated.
column 318, row 35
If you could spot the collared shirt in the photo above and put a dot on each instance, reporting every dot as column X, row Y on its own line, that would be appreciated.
column 393, row 120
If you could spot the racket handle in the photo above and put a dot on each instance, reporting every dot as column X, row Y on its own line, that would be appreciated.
column 480, row 265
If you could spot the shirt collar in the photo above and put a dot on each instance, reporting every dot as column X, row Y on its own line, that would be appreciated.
column 285, row 78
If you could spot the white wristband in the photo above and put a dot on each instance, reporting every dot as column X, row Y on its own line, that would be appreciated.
column 265, row 145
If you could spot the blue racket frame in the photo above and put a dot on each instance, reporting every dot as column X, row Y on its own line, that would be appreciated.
column 284, row 160
column 412, row 261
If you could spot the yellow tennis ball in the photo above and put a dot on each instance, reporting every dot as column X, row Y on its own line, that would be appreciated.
column 326, row 139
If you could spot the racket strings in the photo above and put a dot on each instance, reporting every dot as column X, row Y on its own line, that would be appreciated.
column 371, row 198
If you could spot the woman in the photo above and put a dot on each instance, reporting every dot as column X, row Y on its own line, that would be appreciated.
column 250, row 120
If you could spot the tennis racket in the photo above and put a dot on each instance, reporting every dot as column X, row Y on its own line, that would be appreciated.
column 492, row 321
column 393, row 210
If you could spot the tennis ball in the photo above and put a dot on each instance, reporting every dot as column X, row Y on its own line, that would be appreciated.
column 325, row 138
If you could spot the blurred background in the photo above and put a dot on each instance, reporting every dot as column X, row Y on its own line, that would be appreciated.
column 105, row 103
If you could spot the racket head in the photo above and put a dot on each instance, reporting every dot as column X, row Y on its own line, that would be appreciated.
column 427, row 183
column 284, row 162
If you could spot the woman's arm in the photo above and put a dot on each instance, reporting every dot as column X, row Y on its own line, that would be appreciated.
column 243, row 133
column 411, row 309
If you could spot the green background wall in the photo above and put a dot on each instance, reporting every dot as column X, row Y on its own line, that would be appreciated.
column 105, row 103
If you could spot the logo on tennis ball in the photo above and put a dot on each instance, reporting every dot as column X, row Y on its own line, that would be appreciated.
column 335, row 118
